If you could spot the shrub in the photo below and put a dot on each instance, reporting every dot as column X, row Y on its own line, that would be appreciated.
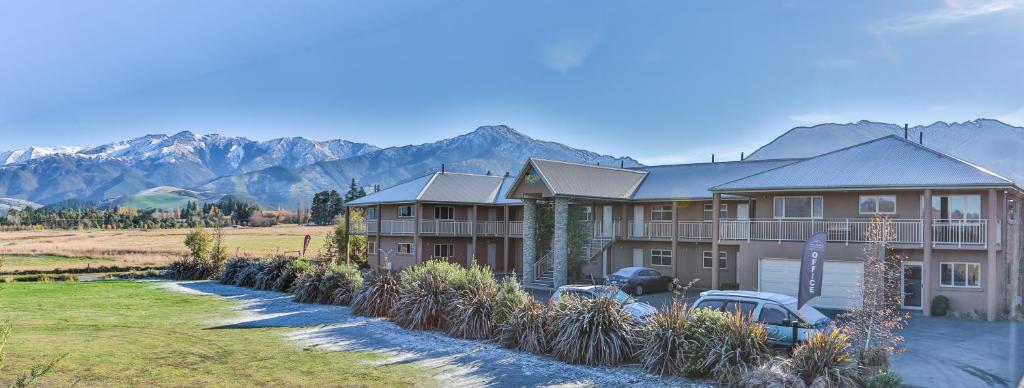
column 776, row 373
column 473, row 301
column 339, row 284
column 273, row 268
column 511, row 298
column 701, row 325
column 190, row 268
column 232, row 267
column 246, row 277
column 198, row 241
column 306, row 287
column 591, row 332
column 738, row 344
column 883, row 379
column 662, row 341
column 940, row 306
column 824, row 360
column 874, row 359
column 291, row 272
column 523, row 328
column 377, row 295
column 423, row 295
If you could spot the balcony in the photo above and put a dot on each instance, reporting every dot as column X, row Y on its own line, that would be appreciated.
column 490, row 228
column 446, row 228
column 515, row 228
column 441, row 228
column 962, row 232
column 839, row 230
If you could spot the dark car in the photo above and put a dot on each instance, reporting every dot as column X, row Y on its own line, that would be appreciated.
column 640, row 311
column 640, row 280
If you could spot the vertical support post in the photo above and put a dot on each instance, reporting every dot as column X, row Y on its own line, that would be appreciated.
column 926, row 260
column 675, row 238
column 417, row 245
column 471, row 256
column 380, row 260
column 992, row 277
column 560, row 255
column 508, row 225
column 715, row 235
column 348, row 235
column 529, row 239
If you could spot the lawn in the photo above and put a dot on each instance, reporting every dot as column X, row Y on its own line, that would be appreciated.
column 15, row 263
column 119, row 333
column 149, row 247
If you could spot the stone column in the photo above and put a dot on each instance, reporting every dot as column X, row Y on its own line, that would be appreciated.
column 529, row 238
column 715, row 235
column 926, row 261
column 992, row 277
column 504, row 235
column 560, row 240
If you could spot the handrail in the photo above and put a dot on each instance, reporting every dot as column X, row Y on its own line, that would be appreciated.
column 843, row 230
column 542, row 265
column 960, row 231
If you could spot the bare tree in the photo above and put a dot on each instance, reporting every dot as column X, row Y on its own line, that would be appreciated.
column 874, row 320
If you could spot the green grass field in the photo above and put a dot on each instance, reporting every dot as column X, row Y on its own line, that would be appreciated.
column 15, row 263
column 119, row 333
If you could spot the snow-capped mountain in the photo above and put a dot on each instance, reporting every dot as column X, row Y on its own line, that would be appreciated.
column 988, row 143
column 26, row 154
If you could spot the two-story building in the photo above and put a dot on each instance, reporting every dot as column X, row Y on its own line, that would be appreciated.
column 735, row 224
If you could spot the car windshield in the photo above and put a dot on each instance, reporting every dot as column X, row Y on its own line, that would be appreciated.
column 617, row 294
column 808, row 313
column 625, row 272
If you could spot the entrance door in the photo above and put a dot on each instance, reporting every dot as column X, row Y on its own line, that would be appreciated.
column 638, row 257
column 492, row 255
column 743, row 218
column 638, row 220
column 607, row 225
column 912, row 273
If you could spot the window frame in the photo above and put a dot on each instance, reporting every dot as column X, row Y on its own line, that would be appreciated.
column 723, row 211
column 588, row 213
column 440, row 210
column 775, row 203
column 878, row 204
column 786, row 315
column 952, row 274
column 661, row 254
column 451, row 250
column 371, row 246
column 411, row 250
column 965, row 200
column 412, row 211
column 371, row 214
column 659, row 211
column 722, row 257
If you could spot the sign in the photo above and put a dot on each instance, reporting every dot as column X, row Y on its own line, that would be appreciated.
column 305, row 244
column 532, row 177
column 811, row 268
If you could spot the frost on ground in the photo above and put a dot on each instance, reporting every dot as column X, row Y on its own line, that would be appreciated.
column 455, row 362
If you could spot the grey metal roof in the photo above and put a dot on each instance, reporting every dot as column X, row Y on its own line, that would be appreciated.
column 889, row 161
column 506, row 186
column 402, row 192
column 585, row 180
column 691, row 181
column 461, row 188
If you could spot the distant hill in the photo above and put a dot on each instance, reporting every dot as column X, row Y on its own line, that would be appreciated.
column 988, row 143
column 163, row 198
column 6, row 204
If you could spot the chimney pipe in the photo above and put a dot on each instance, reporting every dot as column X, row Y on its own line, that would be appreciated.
column 712, row 158
column 920, row 138
column 741, row 156
column 906, row 131
column 622, row 163
column 442, row 168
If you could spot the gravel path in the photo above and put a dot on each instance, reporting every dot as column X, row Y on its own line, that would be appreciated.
column 454, row 362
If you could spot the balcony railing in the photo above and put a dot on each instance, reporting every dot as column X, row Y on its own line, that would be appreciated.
column 699, row 230
column 651, row 230
column 440, row 227
column 515, row 228
column 961, row 232
column 490, row 228
column 397, row 227
column 446, row 227
column 843, row 230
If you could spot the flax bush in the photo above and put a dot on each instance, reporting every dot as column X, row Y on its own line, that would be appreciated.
column 246, row 277
column 424, row 291
column 739, row 343
column 339, row 284
column 591, row 331
column 663, row 340
column 523, row 328
column 775, row 373
column 290, row 274
column 378, row 294
column 233, row 267
column 824, row 360
column 306, row 287
column 474, row 296
column 190, row 268
column 273, row 269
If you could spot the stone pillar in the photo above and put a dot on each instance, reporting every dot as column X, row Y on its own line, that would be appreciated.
column 715, row 235
column 926, row 261
column 504, row 235
column 529, row 238
column 992, row 277
column 560, row 240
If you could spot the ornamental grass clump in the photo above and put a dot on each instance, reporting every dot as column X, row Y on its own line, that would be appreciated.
column 233, row 267
column 246, row 277
column 306, row 287
column 424, row 291
column 591, row 331
column 523, row 328
column 273, row 269
column 290, row 273
column 662, row 341
column 339, row 284
column 739, row 343
column 378, row 294
column 825, row 360
column 190, row 268
column 474, row 296
column 775, row 373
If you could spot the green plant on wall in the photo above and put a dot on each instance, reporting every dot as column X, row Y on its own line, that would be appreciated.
column 579, row 233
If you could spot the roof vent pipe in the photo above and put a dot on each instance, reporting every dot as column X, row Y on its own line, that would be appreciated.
column 712, row 158
column 920, row 138
column 622, row 163
column 906, row 131
column 741, row 156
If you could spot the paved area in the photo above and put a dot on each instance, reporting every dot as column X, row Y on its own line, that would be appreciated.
column 944, row 352
column 455, row 362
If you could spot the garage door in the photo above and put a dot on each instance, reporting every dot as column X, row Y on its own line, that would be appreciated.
column 841, row 281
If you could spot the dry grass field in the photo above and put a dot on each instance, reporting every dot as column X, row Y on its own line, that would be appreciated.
column 49, row 249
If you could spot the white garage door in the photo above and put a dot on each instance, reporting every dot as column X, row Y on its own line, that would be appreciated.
column 841, row 281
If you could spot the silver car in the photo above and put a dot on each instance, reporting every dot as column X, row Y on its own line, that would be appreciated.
column 640, row 311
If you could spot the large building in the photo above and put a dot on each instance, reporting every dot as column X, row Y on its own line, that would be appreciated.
column 730, row 224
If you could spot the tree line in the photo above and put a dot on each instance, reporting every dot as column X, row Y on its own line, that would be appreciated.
column 227, row 211
column 328, row 205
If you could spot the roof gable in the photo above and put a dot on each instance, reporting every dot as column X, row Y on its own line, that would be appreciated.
column 890, row 162
column 556, row 178
column 402, row 192
column 461, row 188
column 691, row 181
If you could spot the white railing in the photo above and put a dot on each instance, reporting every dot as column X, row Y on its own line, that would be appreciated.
column 515, row 228
column 544, row 264
column 695, row 230
column 845, row 230
column 960, row 232
column 446, row 227
column 359, row 227
column 371, row 227
column 398, row 227
column 490, row 228
column 650, row 230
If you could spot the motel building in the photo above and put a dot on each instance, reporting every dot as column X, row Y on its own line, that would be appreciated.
column 735, row 224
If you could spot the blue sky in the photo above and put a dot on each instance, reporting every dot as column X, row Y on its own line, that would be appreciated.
column 660, row 81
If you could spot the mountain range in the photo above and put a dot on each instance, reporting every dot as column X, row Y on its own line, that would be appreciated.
column 279, row 172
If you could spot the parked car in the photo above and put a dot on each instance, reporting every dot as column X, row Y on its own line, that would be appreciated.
column 640, row 280
column 639, row 310
column 776, row 312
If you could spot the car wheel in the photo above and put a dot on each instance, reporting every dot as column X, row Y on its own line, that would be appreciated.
column 639, row 290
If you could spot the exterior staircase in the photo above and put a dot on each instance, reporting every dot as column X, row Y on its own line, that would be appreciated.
column 544, row 269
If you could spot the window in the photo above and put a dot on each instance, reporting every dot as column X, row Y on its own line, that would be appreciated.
column 661, row 257
column 711, row 304
column 956, row 207
column 723, row 211
column 371, row 214
column 444, row 250
column 661, row 213
column 721, row 259
column 745, row 308
column 444, row 213
column 967, row 275
column 773, row 315
column 406, row 211
column 371, row 246
column 798, row 207
column 588, row 213
column 878, row 204
column 405, row 248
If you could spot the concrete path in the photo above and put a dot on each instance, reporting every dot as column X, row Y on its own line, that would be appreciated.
column 454, row 362
column 944, row 352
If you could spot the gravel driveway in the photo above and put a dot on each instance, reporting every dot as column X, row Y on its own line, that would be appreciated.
column 454, row 362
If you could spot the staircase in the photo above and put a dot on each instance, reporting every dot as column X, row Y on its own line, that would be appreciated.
column 595, row 246
column 544, row 269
